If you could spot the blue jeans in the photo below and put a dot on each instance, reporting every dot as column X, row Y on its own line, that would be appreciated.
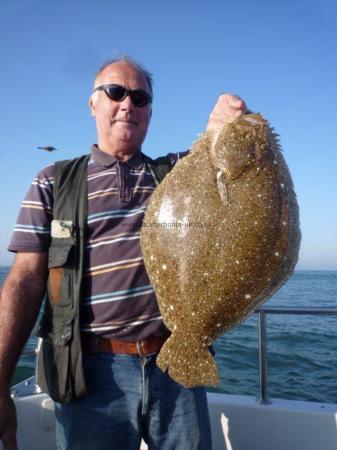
column 130, row 398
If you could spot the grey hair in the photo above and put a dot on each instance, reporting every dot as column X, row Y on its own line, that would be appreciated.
column 131, row 62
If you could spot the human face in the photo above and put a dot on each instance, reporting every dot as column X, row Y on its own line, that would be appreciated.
column 121, row 126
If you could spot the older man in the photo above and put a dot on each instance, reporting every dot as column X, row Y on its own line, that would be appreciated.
column 101, row 327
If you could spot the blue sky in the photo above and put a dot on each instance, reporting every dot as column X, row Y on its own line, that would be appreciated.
column 280, row 56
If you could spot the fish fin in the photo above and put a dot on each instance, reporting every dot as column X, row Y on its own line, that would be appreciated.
column 188, row 364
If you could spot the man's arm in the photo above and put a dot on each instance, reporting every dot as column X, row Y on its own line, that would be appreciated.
column 20, row 301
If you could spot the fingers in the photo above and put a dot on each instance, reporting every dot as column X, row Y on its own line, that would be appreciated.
column 9, row 440
column 10, row 444
column 227, row 108
column 233, row 103
column 8, row 423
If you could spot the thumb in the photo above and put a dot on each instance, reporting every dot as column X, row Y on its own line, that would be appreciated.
column 237, row 103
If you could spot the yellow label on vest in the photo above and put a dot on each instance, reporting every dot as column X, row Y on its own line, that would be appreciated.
column 61, row 229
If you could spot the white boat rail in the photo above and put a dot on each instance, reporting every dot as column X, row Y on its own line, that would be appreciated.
column 263, row 352
column 263, row 356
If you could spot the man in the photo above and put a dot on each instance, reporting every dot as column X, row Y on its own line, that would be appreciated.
column 124, row 396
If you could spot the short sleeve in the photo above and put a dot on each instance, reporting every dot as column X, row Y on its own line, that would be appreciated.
column 174, row 157
column 32, row 229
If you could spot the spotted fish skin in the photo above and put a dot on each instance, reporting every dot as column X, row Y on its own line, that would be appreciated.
column 220, row 235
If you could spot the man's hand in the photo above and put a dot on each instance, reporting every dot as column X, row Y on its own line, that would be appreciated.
column 8, row 423
column 227, row 108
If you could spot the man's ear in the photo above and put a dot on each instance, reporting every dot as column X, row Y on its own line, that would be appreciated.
column 92, row 104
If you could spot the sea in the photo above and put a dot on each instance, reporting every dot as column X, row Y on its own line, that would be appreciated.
column 302, row 350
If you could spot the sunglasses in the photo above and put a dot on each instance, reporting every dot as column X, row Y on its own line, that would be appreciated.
column 118, row 93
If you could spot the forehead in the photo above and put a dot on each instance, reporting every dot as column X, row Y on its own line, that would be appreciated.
column 124, row 74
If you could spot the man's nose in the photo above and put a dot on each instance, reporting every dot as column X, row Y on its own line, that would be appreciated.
column 127, row 104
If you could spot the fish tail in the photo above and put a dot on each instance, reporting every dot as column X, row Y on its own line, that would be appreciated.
column 188, row 362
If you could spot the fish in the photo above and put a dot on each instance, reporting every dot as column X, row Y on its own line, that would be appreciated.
column 220, row 236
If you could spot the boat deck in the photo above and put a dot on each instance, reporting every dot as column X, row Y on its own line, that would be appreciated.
column 238, row 422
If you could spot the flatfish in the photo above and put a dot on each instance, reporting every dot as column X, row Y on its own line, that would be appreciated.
column 220, row 235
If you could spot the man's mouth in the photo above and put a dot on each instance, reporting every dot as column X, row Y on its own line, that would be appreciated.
column 124, row 121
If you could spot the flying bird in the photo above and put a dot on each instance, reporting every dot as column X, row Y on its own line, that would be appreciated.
column 47, row 148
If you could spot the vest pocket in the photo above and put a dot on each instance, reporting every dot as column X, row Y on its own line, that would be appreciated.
column 56, row 325
column 53, row 370
column 59, row 281
column 53, row 360
column 57, row 322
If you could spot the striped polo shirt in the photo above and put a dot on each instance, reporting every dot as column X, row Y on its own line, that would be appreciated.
column 118, row 299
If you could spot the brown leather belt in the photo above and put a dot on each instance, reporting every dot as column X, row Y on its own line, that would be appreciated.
column 147, row 346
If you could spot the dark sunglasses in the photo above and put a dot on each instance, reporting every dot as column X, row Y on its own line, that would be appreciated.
column 118, row 93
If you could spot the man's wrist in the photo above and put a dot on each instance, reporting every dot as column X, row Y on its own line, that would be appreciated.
column 5, row 382
column 5, row 392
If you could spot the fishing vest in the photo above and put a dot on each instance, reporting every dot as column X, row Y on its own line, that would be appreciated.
column 59, row 361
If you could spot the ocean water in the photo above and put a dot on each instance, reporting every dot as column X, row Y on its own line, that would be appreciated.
column 302, row 350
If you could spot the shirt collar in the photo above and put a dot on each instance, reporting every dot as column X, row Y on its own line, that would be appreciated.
column 105, row 159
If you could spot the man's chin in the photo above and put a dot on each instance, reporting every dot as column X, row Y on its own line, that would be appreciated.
column 128, row 141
